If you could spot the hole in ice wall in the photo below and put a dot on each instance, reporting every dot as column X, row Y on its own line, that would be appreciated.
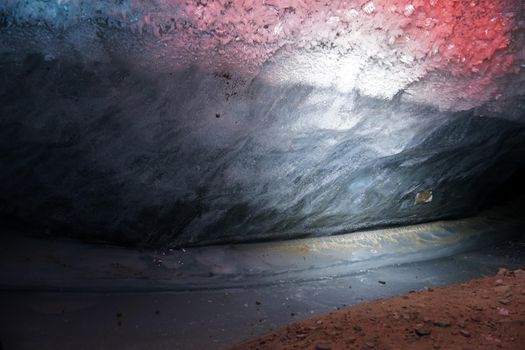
column 424, row 197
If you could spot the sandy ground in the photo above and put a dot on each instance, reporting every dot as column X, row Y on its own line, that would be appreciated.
column 486, row 313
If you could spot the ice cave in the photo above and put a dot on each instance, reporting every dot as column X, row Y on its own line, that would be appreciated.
column 262, row 174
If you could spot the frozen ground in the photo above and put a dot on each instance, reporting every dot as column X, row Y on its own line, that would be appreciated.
column 60, row 295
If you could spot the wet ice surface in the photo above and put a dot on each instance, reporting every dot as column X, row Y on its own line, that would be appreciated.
column 71, row 266
column 108, row 306
column 213, row 319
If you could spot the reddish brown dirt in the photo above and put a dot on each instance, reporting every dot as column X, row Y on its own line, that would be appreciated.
column 488, row 313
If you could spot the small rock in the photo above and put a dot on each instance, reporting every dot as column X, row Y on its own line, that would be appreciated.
column 442, row 324
column 465, row 333
column 157, row 261
column 422, row 331
column 323, row 347
column 519, row 273
column 301, row 330
column 351, row 340
column 498, row 282
column 502, row 311
column 503, row 272
column 502, row 289
column 504, row 301
column 381, row 282
column 257, row 303
column 436, row 346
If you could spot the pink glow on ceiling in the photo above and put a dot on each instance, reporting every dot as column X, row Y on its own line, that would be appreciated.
column 466, row 33
column 467, row 40
column 442, row 51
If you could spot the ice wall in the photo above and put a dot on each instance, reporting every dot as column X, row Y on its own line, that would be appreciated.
column 192, row 122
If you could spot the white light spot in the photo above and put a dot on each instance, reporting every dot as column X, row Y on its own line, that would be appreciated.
column 353, row 13
column 409, row 10
column 278, row 29
column 369, row 8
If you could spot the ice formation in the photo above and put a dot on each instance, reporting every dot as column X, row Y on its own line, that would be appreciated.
column 379, row 47
column 183, row 122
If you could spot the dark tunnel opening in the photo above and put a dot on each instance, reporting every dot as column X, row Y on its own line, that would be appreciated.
column 511, row 191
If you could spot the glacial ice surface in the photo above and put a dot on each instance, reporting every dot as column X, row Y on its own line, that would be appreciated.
column 193, row 122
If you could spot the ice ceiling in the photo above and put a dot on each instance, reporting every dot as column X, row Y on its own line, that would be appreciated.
column 449, row 53
column 183, row 122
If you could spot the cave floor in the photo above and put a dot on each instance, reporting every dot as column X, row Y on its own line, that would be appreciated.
column 47, row 307
column 485, row 313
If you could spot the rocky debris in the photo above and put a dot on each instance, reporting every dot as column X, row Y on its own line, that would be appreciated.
column 422, row 331
column 519, row 273
column 119, row 318
column 464, row 333
column 502, row 289
column 503, row 272
column 465, row 316
column 157, row 261
column 502, row 311
column 442, row 324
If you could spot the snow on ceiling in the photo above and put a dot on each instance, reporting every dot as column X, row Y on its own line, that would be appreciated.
column 454, row 54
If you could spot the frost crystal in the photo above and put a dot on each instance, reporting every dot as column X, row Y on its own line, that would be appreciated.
column 369, row 8
column 409, row 10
